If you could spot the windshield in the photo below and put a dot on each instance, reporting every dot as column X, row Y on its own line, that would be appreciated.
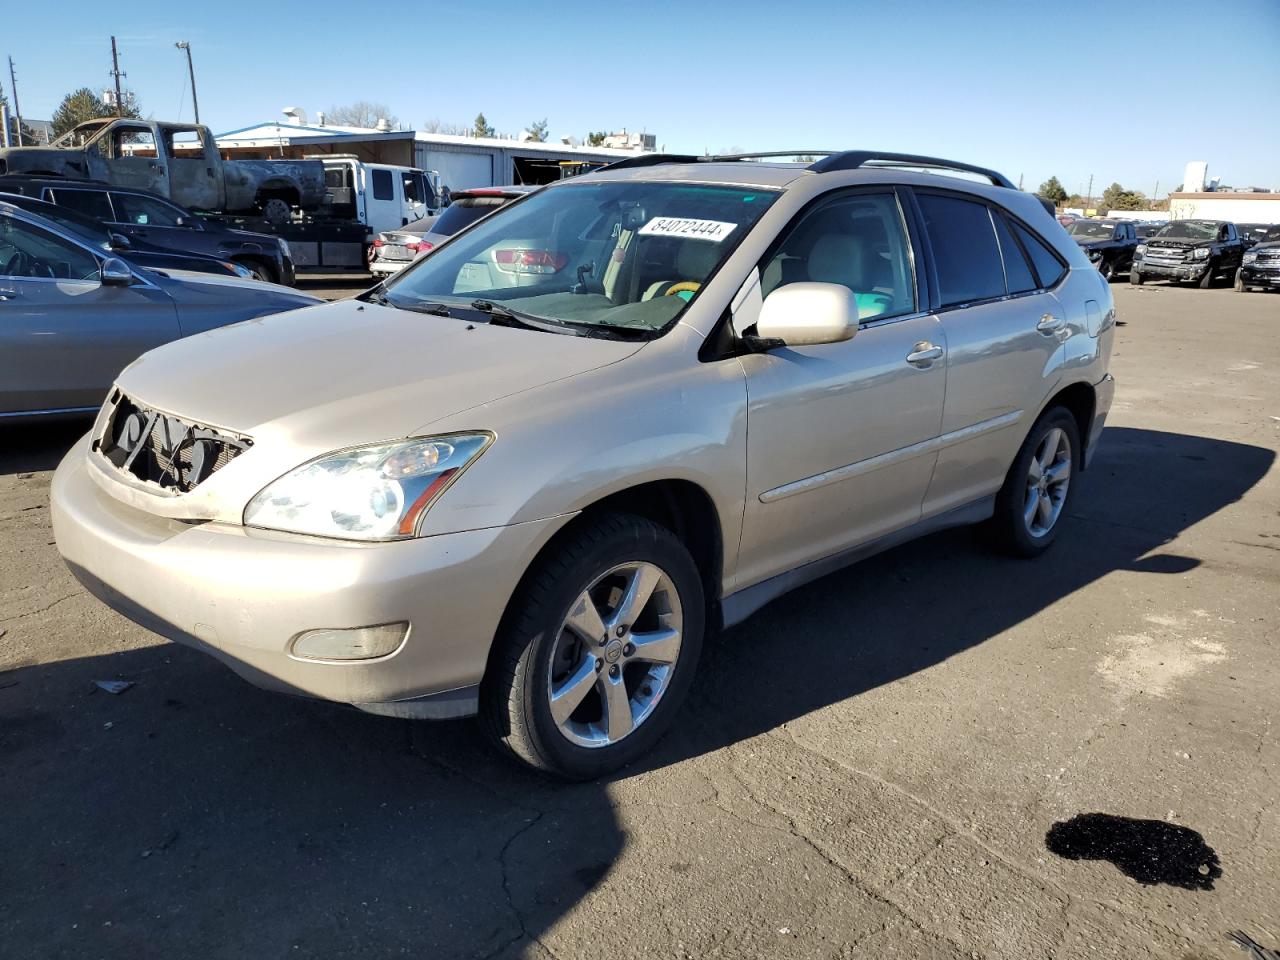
column 1270, row 235
column 617, row 255
column 1091, row 230
column 1190, row 230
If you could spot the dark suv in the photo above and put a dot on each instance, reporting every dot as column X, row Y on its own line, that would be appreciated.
column 1261, row 263
column 1198, row 250
column 148, row 218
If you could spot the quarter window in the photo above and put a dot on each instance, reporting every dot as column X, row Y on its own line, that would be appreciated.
column 1048, row 266
column 1017, row 274
column 964, row 249
column 382, row 185
column 857, row 241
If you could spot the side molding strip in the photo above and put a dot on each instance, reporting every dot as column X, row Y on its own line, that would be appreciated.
column 893, row 456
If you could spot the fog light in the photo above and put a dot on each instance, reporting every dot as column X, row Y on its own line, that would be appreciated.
column 355, row 643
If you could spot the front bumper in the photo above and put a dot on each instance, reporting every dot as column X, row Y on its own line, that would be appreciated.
column 242, row 595
column 1191, row 270
column 1260, row 276
column 288, row 273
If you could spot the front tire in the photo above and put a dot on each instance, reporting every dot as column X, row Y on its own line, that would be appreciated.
column 261, row 271
column 1107, row 269
column 1239, row 282
column 1136, row 278
column 1039, row 486
column 1207, row 280
column 597, row 649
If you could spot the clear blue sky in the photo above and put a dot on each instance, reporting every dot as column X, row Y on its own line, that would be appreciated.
column 1031, row 89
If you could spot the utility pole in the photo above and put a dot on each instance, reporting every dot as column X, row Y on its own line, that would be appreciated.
column 1155, row 194
column 1088, row 199
column 17, row 110
column 1019, row 181
column 184, row 45
column 115, row 72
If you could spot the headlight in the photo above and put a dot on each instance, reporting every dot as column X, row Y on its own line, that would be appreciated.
column 367, row 493
column 1200, row 253
column 1250, row 257
column 1140, row 250
column 284, row 248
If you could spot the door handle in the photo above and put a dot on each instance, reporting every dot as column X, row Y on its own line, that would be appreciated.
column 1049, row 324
column 924, row 354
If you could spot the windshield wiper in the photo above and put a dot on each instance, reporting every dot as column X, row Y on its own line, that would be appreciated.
column 500, row 316
column 375, row 295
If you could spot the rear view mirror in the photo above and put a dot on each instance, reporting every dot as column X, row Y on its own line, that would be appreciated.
column 116, row 273
column 808, row 314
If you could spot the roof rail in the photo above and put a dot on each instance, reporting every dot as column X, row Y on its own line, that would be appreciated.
column 652, row 160
column 855, row 159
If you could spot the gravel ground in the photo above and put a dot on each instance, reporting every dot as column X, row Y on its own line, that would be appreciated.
column 940, row 753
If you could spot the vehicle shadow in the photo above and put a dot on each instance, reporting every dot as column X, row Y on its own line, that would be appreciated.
column 31, row 447
column 195, row 815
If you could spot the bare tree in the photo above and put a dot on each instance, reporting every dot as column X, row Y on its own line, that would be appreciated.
column 451, row 129
column 361, row 113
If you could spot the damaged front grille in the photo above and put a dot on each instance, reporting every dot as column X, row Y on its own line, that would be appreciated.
column 174, row 453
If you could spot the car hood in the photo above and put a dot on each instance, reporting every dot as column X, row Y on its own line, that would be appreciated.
column 1270, row 245
column 1090, row 242
column 176, row 282
column 350, row 373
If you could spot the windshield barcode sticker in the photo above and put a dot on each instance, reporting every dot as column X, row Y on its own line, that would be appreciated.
column 713, row 230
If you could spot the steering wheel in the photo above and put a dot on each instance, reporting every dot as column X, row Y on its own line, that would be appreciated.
column 19, row 265
column 685, row 286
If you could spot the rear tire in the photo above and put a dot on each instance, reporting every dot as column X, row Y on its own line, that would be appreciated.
column 532, row 706
column 1039, row 486
column 275, row 210
column 1136, row 278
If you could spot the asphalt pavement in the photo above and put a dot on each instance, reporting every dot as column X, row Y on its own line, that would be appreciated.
column 939, row 753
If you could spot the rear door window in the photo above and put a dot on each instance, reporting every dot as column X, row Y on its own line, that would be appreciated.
column 1048, row 267
column 92, row 203
column 144, row 211
column 382, row 188
column 965, row 252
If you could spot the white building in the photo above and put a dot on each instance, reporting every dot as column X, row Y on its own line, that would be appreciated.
column 462, row 161
column 1234, row 207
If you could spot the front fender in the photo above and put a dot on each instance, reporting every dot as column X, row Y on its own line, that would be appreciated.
column 657, row 415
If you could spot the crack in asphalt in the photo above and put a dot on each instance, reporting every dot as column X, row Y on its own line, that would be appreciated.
column 39, row 610
column 793, row 829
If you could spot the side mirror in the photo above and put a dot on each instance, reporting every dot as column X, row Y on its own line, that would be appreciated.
column 808, row 314
column 116, row 273
column 120, row 242
column 179, row 221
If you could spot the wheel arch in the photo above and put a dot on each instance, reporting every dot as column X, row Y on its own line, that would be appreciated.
column 681, row 506
column 1081, row 400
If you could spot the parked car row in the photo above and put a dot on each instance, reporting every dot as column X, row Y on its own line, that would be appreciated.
column 1195, row 251
column 146, row 221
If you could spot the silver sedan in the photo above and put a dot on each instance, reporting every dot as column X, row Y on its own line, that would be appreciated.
column 71, row 317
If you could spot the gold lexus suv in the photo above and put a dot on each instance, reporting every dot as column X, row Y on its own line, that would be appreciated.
column 526, row 476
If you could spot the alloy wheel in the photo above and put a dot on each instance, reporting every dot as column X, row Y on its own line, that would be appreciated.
column 1048, row 477
column 614, row 654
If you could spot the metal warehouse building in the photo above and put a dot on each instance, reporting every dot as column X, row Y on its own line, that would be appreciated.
column 462, row 161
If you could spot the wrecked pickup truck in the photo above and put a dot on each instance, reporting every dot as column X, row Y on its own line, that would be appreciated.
column 179, row 161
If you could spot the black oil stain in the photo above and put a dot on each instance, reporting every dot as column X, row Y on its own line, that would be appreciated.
column 1149, row 851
